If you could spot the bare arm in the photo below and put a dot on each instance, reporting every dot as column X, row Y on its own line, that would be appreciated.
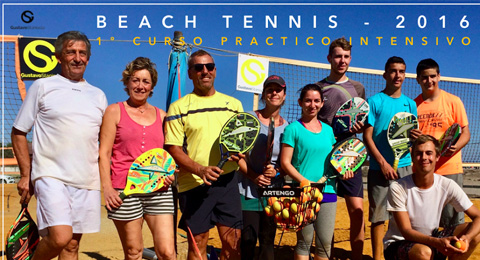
column 207, row 173
column 385, row 167
column 473, row 229
column 262, row 179
column 286, row 162
column 441, row 244
column 20, row 147
column 462, row 141
column 107, row 137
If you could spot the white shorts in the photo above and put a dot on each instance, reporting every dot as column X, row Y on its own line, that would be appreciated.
column 60, row 204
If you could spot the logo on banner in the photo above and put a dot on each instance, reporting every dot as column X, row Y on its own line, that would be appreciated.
column 27, row 16
column 37, row 58
column 251, row 73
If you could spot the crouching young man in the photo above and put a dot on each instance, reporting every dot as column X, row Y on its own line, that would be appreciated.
column 416, row 202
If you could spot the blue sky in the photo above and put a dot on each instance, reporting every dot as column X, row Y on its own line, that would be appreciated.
column 109, row 59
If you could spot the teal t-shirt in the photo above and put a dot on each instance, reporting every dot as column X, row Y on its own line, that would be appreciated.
column 310, row 151
column 382, row 110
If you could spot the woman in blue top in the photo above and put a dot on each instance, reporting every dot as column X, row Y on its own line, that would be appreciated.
column 255, row 173
column 305, row 146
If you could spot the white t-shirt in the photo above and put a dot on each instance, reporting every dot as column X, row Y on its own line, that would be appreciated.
column 66, row 116
column 424, row 206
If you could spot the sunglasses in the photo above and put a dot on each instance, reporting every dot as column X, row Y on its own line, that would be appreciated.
column 199, row 66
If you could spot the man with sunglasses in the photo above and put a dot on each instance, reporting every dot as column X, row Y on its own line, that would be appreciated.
column 209, row 195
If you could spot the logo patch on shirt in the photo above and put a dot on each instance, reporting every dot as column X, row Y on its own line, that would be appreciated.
column 75, row 89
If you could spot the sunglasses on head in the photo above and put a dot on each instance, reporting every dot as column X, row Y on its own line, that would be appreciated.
column 199, row 66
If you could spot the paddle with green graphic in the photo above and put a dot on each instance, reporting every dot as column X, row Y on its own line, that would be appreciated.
column 238, row 135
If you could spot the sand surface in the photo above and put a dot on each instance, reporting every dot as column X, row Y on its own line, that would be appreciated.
column 106, row 244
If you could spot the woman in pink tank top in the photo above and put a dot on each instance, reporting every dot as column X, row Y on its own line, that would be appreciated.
column 129, row 129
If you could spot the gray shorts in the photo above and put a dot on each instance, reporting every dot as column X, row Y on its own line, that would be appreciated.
column 450, row 217
column 377, row 193
column 137, row 205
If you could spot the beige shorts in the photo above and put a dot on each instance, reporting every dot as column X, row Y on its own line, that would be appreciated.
column 60, row 204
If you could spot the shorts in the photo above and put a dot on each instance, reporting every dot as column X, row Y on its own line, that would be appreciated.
column 205, row 206
column 137, row 205
column 398, row 250
column 352, row 187
column 449, row 215
column 60, row 204
column 377, row 193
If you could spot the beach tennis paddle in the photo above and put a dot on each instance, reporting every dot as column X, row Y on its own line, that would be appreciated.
column 23, row 238
column 270, row 139
column 398, row 134
column 353, row 111
column 346, row 155
column 449, row 138
column 238, row 135
column 147, row 173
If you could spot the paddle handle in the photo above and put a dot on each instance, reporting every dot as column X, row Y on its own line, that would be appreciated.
column 222, row 163
column 395, row 164
column 122, row 196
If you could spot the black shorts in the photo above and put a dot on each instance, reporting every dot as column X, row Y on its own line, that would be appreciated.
column 205, row 206
column 398, row 250
column 352, row 187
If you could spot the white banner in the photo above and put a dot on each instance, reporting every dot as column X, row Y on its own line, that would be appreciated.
column 251, row 73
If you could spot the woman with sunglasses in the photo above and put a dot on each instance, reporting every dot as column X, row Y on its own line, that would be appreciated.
column 129, row 129
column 306, row 145
column 255, row 174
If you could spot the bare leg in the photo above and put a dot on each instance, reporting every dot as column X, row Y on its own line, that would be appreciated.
column 161, row 227
column 51, row 245
column 130, row 233
column 200, row 242
column 230, row 238
column 70, row 252
column 377, row 233
column 357, row 231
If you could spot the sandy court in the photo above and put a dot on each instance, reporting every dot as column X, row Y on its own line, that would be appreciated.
column 106, row 244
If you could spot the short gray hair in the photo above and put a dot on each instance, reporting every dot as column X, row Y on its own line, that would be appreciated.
column 69, row 36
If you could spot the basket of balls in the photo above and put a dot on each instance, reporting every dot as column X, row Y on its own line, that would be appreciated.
column 295, row 212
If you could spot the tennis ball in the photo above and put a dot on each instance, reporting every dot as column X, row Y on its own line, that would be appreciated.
column 271, row 200
column 307, row 189
column 286, row 203
column 294, row 200
column 278, row 217
column 304, row 198
column 315, row 193
column 285, row 214
column 320, row 197
column 277, row 206
column 304, row 183
column 294, row 208
column 269, row 211
column 317, row 207
column 460, row 244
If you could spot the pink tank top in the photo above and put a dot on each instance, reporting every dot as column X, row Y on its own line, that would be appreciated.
column 131, row 140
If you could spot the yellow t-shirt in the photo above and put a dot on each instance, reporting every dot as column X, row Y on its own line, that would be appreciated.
column 196, row 121
column 435, row 118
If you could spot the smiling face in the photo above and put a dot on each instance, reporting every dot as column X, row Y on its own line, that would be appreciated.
column 139, row 85
column 424, row 158
column 274, row 95
column 339, row 60
column 311, row 103
column 395, row 75
column 203, row 79
column 428, row 79
column 73, row 59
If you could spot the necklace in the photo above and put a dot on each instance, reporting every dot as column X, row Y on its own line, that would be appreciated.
column 138, row 108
